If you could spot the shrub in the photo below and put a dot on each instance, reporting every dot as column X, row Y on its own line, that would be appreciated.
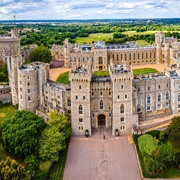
column 45, row 166
column 176, row 160
column 154, row 133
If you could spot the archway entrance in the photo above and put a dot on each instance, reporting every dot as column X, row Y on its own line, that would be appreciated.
column 101, row 120
column 100, row 68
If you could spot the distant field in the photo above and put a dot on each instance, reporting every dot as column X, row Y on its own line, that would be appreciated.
column 94, row 37
column 106, row 36
column 144, row 71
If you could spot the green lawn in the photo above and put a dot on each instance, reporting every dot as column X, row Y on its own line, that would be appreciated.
column 57, row 169
column 7, row 111
column 64, row 78
column 142, row 42
column 144, row 71
column 101, row 73
column 94, row 37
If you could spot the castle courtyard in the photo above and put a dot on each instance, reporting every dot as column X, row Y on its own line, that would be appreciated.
column 96, row 158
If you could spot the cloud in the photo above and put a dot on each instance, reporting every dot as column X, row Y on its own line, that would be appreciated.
column 63, row 9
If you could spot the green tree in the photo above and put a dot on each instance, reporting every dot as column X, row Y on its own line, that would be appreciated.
column 173, row 129
column 147, row 144
column 10, row 169
column 20, row 134
column 61, row 122
column 51, row 142
column 32, row 162
column 3, row 73
column 41, row 54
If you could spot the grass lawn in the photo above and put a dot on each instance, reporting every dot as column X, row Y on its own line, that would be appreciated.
column 7, row 111
column 57, row 169
column 94, row 37
column 101, row 73
column 64, row 78
column 144, row 71
column 142, row 42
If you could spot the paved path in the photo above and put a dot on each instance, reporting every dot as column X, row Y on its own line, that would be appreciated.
column 97, row 159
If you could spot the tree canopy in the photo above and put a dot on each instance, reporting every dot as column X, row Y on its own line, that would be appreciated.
column 173, row 130
column 10, row 169
column 41, row 54
column 3, row 73
column 147, row 144
column 20, row 134
column 52, row 142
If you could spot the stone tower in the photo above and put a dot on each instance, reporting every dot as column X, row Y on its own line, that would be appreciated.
column 123, row 114
column 31, row 79
column 80, row 79
column 159, row 40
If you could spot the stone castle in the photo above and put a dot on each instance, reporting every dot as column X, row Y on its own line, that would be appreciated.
column 119, row 101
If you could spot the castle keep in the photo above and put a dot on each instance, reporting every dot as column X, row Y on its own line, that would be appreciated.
column 119, row 101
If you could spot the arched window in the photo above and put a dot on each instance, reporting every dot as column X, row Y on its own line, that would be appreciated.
column 100, row 60
column 80, row 109
column 167, row 95
column 148, row 100
column 69, row 101
column 122, row 108
column 179, row 98
column 101, row 104
column 117, row 57
column 159, row 97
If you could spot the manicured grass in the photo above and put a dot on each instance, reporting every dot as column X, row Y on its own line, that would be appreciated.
column 64, row 78
column 7, row 111
column 131, row 33
column 101, row 73
column 57, row 169
column 144, row 71
column 94, row 37
column 142, row 42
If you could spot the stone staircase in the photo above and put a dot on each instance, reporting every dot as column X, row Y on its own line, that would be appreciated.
column 157, row 123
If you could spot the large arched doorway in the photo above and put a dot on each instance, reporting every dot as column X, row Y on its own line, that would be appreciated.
column 100, row 68
column 101, row 120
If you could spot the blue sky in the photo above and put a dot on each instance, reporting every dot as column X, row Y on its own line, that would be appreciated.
column 84, row 9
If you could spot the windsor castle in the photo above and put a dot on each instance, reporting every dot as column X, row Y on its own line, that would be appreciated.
column 118, row 101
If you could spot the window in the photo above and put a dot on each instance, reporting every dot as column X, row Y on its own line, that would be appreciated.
column 159, row 97
column 121, row 86
column 179, row 98
column 122, row 128
column 159, row 106
column 80, row 128
column 122, row 119
column 28, row 90
column 118, row 97
column 80, row 109
column 167, row 85
column 178, row 106
column 100, row 60
column 148, row 99
column 92, row 93
column 167, row 104
column 148, row 88
column 148, row 108
column 59, row 102
column 69, row 111
column 28, row 84
column 29, row 98
column 20, row 89
column 28, row 77
column 126, row 96
column 167, row 96
column 109, row 105
column 21, row 97
column 101, row 104
column 109, row 92
column 79, row 87
column 100, row 93
column 122, row 108
column 84, row 97
column 80, row 120
column 76, row 97
column 159, row 87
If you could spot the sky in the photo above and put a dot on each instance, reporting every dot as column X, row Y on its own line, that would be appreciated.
column 88, row 9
